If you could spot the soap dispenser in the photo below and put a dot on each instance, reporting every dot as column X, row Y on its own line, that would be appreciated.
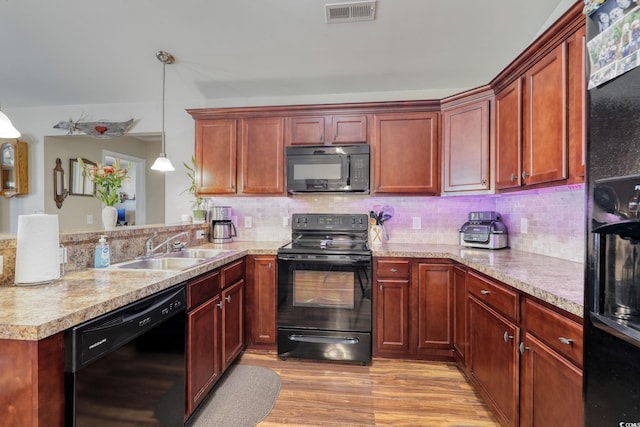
column 102, row 256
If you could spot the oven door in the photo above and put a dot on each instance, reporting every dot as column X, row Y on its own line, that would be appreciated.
column 325, row 292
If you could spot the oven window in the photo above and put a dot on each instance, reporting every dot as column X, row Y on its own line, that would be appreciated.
column 323, row 288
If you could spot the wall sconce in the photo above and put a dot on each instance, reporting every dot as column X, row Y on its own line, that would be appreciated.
column 59, row 192
column 6, row 128
column 162, row 163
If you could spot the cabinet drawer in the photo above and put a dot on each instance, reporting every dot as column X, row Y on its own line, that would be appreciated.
column 499, row 297
column 232, row 273
column 392, row 269
column 558, row 332
column 202, row 289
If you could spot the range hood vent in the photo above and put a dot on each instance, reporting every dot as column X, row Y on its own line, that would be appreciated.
column 350, row 12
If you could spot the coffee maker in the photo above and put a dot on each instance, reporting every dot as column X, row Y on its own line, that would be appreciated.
column 222, row 228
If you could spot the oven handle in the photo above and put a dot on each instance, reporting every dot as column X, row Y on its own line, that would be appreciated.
column 355, row 260
column 322, row 340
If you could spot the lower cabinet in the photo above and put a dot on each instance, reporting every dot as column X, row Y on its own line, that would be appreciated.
column 460, row 341
column 412, row 308
column 261, row 302
column 215, row 328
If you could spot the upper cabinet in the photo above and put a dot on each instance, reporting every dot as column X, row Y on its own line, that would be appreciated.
column 405, row 153
column 14, row 168
column 243, row 157
column 508, row 119
column 465, row 146
column 321, row 130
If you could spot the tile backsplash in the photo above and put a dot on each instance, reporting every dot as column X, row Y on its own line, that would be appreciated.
column 554, row 217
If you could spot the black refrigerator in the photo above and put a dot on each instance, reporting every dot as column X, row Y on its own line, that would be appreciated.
column 612, row 265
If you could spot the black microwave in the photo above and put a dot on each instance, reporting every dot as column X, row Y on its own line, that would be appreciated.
column 321, row 168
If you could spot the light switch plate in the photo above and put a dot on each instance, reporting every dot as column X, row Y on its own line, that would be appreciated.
column 524, row 225
column 248, row 222
column 417, row 224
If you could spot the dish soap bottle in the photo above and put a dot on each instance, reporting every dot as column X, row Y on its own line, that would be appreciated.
column 102, row 256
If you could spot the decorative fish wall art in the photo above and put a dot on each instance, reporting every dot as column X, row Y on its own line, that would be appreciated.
column 100, row 129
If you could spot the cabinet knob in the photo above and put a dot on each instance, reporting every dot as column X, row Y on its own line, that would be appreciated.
column 321, row 137
column 335, row 136
column 567, row 341
column 525, row 175
column 228, row 298
column 485, row 292
column 507, row 337
column 394, row 270
column 220, row 305
column 523, row 348
column 483, row 182
column 269, row 265
column 380, row 288
column 513, row 177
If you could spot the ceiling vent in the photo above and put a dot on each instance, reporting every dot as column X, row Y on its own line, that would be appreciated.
column 350, row 12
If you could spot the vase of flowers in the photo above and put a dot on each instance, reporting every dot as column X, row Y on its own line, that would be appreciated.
column 199, row 204
column 108, row 180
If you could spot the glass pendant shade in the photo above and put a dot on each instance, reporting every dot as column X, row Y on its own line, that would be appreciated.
column 6, row 127
column 162, row 164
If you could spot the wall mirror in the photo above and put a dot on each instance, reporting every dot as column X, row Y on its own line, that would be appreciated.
column 79, row 182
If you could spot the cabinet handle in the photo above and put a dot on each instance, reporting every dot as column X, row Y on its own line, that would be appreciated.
column 220, row 305
column 335, row 136
column 523, row 348
column 485, row 292
column 567, row 341
column 269, row 265
column 507, row 337
column 513, row 177
column 380, row 288
column 228, row 298
column 394, row 270
column 321, row 137
column 525, row 175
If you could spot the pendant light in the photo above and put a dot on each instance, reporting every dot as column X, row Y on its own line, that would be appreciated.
column 162, row 163
column 6, row 128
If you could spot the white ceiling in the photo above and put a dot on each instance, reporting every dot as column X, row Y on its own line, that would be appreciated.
column 74, row 52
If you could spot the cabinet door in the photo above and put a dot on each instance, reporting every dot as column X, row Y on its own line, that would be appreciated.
column 203, row 351
column 261, row 301
column 544, row 123
column 460, row 313
column 466, row 147
column 576, row 46
column 262, row 156
column 550, row 387
column 392, row 317
column 232, row 323
column 306, row 130
column 493, row 364
column 434, row 306
column 406, row 153
column 348, row 129
column 508, row 135
column 215, row 153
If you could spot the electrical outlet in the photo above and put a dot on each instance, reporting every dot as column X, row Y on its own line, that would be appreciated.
column 1, row 266
column 89, row 219
column 63, row 255
column 417, row 225
column 199, row 234
column 285, row 221
column 248, row 222
column 524, row 225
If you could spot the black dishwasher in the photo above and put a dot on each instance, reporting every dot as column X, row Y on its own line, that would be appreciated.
column 127, row 367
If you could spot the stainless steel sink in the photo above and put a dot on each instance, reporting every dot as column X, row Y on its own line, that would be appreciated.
column 201, row 253
column 161, row 263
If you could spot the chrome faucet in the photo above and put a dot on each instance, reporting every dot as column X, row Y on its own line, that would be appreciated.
column 150, row 249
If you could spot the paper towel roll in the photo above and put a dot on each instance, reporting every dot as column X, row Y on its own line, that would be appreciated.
column 37, row 249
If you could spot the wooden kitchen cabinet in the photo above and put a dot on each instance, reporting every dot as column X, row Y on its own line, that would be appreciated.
column 545, row 143
column 240, row 156
column 261, row 302
column 493, row 359
column 460, row 341
column 509, row 136
column 391, row 307
column 465, row 148
column 14, row 168
column 577, row 104
column 215, row 328
column 406, row 153
column 321, row 130
column 434, row 312
column 551, row 361
column 204, row 364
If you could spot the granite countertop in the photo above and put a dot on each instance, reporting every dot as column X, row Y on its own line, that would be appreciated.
column 36, row 312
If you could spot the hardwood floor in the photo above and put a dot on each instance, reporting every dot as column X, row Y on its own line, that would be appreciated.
column 387, row 393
